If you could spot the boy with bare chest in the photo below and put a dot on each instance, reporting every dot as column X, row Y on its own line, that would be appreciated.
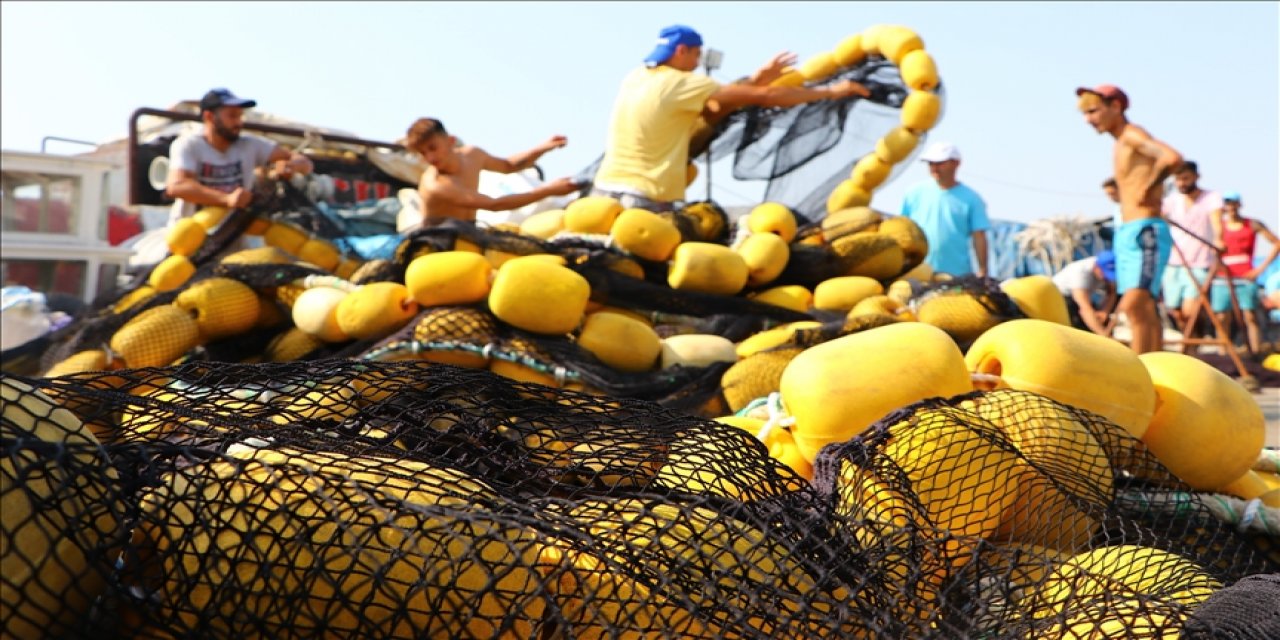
column 449, row 186
column 1142, row 242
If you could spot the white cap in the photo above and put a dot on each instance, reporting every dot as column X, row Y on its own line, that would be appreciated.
column 940, row 152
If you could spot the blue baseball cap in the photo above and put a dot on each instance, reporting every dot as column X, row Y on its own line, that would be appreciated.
column 1107, row 264
column 670, row 38
column 1232, row 196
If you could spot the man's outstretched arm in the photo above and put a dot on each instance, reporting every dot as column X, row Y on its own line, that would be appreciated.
column 183, row 184
column 734, row 96
column 469, row 199
column 524, row 159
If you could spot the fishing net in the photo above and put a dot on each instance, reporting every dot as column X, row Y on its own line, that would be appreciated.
column 618, row 280
column 344, row 498
column 804, row 151
column 964, row 307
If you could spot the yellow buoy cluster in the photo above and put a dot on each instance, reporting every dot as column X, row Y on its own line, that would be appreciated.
column 187, row 235
column 920, row 111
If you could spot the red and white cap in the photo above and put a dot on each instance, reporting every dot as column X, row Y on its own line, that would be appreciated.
column 1107, row 92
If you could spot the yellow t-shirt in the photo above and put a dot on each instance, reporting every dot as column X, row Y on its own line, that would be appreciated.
column 653, row 119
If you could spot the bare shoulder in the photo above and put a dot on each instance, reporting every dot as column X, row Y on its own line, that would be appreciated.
column 472, row 151
column 429, row 178
column 1134, row 134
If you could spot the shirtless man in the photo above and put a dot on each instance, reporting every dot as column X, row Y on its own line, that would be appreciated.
column 1142, row 242
column 449, row 186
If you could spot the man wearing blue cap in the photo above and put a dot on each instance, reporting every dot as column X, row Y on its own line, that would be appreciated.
column 214, row 167
column 654, row 115
column 1079, row 281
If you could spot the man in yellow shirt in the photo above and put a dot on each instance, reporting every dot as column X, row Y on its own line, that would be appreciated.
column 647, row 152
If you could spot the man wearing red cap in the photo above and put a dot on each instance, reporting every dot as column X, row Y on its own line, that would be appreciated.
column 1142, row 242
column 647, row 152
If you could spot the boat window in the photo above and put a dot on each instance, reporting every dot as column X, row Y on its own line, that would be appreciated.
column 48, row 276
column 40, row 203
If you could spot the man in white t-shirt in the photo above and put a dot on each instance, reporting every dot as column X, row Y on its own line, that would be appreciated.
column 1079, row 281
column 216, row 166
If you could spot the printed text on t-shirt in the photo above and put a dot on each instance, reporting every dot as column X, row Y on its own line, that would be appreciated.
column 223, row 177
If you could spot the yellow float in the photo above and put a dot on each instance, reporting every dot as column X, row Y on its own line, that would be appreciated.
column 905, row 50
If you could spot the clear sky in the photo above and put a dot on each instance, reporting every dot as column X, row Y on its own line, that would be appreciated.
column 1203, row 76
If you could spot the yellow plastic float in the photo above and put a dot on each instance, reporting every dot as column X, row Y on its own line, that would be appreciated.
column 1038, row 297
column 1207, row 429
column 897, row 364
column 448, row 277
column 1074, row 367
column 538, row 295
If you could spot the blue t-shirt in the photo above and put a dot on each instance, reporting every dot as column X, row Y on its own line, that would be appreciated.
column 948, row 217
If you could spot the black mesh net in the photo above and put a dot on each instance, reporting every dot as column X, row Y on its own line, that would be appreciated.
column 343, row 498
column 805, row 151
column 965, row 307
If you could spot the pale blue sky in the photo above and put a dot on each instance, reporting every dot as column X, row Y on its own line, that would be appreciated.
column 1204, row 77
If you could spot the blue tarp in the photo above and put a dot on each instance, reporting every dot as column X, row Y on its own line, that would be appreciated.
column 370, row 227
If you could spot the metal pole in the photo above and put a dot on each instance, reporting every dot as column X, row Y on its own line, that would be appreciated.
column 46, row 139
column 711, row 60
column 708, row 153
column 1202, row 302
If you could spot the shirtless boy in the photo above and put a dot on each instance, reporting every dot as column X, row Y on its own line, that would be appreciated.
column 1142, row 242
column 449, row 186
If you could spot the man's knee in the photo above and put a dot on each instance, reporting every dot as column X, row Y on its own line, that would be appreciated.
column 1137, row 301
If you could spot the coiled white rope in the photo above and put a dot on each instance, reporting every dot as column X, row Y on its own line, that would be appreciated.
column 777, row 417
column 740, row 233
column 1054, row 240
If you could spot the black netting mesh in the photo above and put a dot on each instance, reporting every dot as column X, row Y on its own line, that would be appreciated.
column 964, row 307
column 805, row 151
column 343, row 498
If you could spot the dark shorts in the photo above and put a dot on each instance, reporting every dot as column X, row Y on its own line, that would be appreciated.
column 632, row 201
column 1073, row 312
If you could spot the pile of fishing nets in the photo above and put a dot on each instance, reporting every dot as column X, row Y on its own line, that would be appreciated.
column 343, row 498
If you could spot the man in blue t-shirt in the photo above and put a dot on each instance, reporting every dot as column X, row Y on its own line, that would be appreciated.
column 951, row 214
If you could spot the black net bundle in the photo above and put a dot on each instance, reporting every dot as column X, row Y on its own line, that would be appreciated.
column 806, row 150
column 354, row 499
column 110, row 311
column 95, row 331
column 1022, row 517
column 809, row 336
column 964, row 307
column 810, row 264
column 471, row 336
